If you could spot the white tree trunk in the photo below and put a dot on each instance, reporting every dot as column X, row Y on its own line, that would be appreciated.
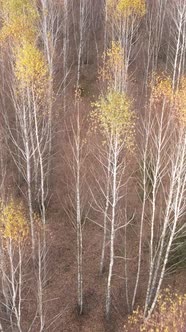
column 112, row 233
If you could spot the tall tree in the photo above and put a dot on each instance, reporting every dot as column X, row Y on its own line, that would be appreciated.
column 77, row 199
column 177, row 40
column 115, row 119
column 123, row 18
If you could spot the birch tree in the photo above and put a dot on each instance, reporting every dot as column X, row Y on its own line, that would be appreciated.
column 81, row 32
column 176, row 10
column 28, row 88
column 14, row 16
column 157, row 135
column 163, row 182
column 155, row 20
column 32, row 125
column 115, row 119
column 124, row 18
column 14, row 231
column 172, row 223
column 111, row 74
column 16, row 279
column 77, row 200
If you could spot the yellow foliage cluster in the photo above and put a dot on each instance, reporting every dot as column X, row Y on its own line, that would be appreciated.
column 13, row 222
column 169, row 316
column 113, row 116
column 113, row 63
column 18, row 20
column 126, row 8
column 16, row 8
column 180, row 101
column 15, row 31
column 30, row 66
column 162, row 88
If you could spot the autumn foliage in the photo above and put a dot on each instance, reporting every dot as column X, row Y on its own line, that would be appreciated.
column 30, row 66
column 13, row 221
column 180, row 101
column 114, row 115
column 169, row 316
column 126, row 8
column 113, row 64
column 18, row 16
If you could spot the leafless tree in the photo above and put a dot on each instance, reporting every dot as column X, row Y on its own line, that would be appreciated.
column 153, row 43
column 123, row 27
column 81, row 23
column 75, row 159
column 176, row 21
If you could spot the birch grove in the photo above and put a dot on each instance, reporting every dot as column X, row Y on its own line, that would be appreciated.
column 92, row 164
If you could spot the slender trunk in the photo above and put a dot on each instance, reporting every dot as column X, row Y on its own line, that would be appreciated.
column 65, row 43
column 181, row 67
column 28, row 177
column 155, row 181
column 174, row 80
column 15, row 289
column 41, row 164
column 112, row 234
column 20, row 287
column 126, row 269
column 105, row 33
column 40, row 287
column 49, row 45
column 42, row 184
column 141, row 223
column 106, row 212
column 78, row 211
